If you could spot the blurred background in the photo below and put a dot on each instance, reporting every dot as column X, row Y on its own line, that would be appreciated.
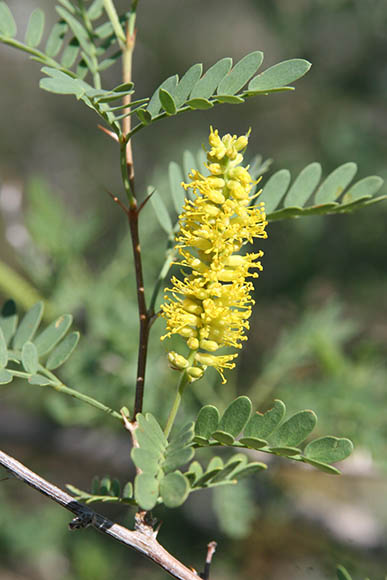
column 319, row 329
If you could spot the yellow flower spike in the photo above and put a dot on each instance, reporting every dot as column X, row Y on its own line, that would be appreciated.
column 211, row 306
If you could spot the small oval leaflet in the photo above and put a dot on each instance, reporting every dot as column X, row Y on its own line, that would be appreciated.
column 146, row 490
column 5, row 377
column 334, row 185
column 7, row 21
column 240, row 74
column 28, row 325
column 207, row 421
column 3, row 350
column 236, row 416
column 174, row 489
column 46, row 341
column 294, row 430
column 63, row 351
column 329, row 449
column 8, row 320
column 280, row 75
column 167, row 102
column 274, row 189
column 35, row 28
column 30, row 358
column 206, row 86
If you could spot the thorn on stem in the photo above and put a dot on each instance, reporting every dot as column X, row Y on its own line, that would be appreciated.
column 142, row 205
column 119, row 202
column 110, row 133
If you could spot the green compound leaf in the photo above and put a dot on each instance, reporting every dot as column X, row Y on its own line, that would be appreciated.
column 63, row 351
column 236, row 416
column 167, row 102
column 30, row 358
column 53, row 334
column 56, row 38
column 146, row 490
column 229, row 99
column 342, row 573
column 280, row 75
column 240, row 74
column 207, row 85
column 261, row 425
column 5, row 377
column 207, row 421
column 7, row 21
column 186, row 84
column 328, row 449
column 236, row 462
column 175, row 178
column 161, row 211
column 274, row 189
column 29, row 325
column 8, row 320
column 304, row 185
column 174, row 489
column 335, row 183
column 155, row 104
column 294, row 430
column 323, row 200
column 3, row 350
column 35, row 28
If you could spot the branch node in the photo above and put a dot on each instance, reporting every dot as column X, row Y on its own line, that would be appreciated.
column 144, row 524
column 83, row 521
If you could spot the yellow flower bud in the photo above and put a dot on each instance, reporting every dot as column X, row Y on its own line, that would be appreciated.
column 194, row 373
column 210, row 345
column 177, row 361
column 193, row 343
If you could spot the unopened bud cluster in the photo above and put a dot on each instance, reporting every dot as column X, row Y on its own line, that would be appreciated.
column 211, row 306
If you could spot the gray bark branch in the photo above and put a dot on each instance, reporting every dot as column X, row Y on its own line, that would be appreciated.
column 143, row 541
